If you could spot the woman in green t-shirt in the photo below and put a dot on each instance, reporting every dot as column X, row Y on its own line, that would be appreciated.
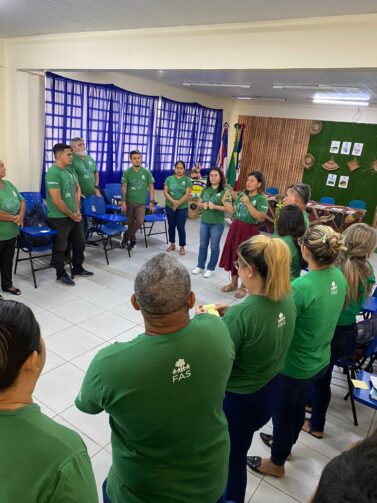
column 249, row 209
column 41, row 460
column 177, row 191
column 319, row 297
column 361, row 241
column 299, row 194
column 213, row 202
column 12, row 213
column 261, row 328
column 290, row 228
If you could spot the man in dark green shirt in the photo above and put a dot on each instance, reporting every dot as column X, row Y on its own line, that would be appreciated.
column 164, row 392
column 64, row 215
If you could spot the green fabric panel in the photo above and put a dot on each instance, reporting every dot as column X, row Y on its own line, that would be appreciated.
column 362, row 182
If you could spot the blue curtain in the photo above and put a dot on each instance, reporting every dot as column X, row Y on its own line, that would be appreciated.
column 114, row 121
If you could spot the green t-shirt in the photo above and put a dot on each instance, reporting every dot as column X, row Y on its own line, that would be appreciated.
column 213, row 216
column 64, row 180
column 260, row 203
column 164, row 395
column 349, row 313
column 10, row 200
column 137, row 184
column 42, row 461
column 177, row 189
column 261, row 331
column 319, row 296
column 295, row 256
column 85, row 169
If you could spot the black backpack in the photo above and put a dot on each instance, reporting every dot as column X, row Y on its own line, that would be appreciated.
column 36, row 218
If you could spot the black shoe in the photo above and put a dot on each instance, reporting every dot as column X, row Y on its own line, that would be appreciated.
column 124, row 241
column 83, row 272
column 92, row 243
column 66, row 280
column 131, row 246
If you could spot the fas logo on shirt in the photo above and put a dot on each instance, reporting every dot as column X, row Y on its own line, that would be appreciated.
column 281, row 320
column 334, row 288
column 181, row 371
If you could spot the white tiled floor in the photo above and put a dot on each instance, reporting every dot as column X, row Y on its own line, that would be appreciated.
column 76, row 322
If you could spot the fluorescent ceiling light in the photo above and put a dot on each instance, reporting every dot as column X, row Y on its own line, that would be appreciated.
column 261, row 98
column 215, row 84
column 315, row 87
column 323, row 101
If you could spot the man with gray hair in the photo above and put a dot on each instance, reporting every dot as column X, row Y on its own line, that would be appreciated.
column 164, row 392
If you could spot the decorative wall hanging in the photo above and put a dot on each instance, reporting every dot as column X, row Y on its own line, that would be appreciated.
column 330, row 165
column 308, row 161
column 353, row 164
column 315, row 127
column 374, row 165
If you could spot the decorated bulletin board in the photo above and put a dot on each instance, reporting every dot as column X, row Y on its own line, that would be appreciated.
column 347, row 152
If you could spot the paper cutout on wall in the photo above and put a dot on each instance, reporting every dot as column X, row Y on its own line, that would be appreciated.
column 343, row 182
column 353, row 164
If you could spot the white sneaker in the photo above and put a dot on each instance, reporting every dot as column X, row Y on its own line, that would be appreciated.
column 208, row 274
column 197, row 270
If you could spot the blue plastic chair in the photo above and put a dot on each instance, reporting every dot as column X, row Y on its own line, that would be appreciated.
column 357, row 204
column 273, row 191
column 113, row 194
column 327, row 200
column 31, row 198
column 362, row 395
column 105, row 225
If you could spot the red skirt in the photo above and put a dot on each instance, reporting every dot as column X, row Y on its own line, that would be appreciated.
column 238, row 233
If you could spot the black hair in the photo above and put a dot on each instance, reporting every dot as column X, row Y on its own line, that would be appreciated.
column 60, row 147
column 259, row 176
column 20, row 336
column 133, row 152
column 291, row 223
column 351, row 476
column 303, row 190
column 180, row 162
column 220, row 188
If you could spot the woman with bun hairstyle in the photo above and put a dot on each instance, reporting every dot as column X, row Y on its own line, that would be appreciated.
column 249, row 209
column 360, row 241
column 319, row 297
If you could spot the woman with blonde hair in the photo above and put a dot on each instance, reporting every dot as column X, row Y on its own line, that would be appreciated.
column 319, row 297
column 261, row 328
column 360, row 241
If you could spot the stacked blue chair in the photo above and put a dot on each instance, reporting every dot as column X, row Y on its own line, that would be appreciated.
column 357, row 204
column 31, row 198
column 273, row 191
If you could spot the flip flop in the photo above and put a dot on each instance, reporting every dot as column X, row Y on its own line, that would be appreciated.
column 13, row 290
column 228, row 288
column 311, row 432
column 254, row 463
column 240, row 293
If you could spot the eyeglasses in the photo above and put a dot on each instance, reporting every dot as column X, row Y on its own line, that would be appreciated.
column 297, row 189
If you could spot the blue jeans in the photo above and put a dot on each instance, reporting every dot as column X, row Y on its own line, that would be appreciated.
column 209, row 234
column 246, row 414
column 177, row 219
column 343, row 344
column 290, row 415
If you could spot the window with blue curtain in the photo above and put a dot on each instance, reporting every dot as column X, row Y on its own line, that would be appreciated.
column 114, row 121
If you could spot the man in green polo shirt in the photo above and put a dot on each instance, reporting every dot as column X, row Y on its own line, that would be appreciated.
column 136, row 182
column 164, row 392
column 64, row 215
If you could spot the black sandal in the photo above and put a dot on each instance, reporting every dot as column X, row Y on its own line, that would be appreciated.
column 13, row 290
column 266, row 439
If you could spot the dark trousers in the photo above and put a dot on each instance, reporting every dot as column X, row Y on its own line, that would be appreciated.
column 343, row 344
column 177, row 220
column 7, row 248
column 135, row 214
column 290, row 415
column 246, row 414
column 67, row 232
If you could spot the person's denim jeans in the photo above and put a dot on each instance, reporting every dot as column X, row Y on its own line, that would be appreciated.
column 177, row 220
column 343, row 344
column 290, row 415
column 246, row 413
column 210, row 235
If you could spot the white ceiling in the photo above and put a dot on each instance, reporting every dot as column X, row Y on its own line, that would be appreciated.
column 33, row 17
